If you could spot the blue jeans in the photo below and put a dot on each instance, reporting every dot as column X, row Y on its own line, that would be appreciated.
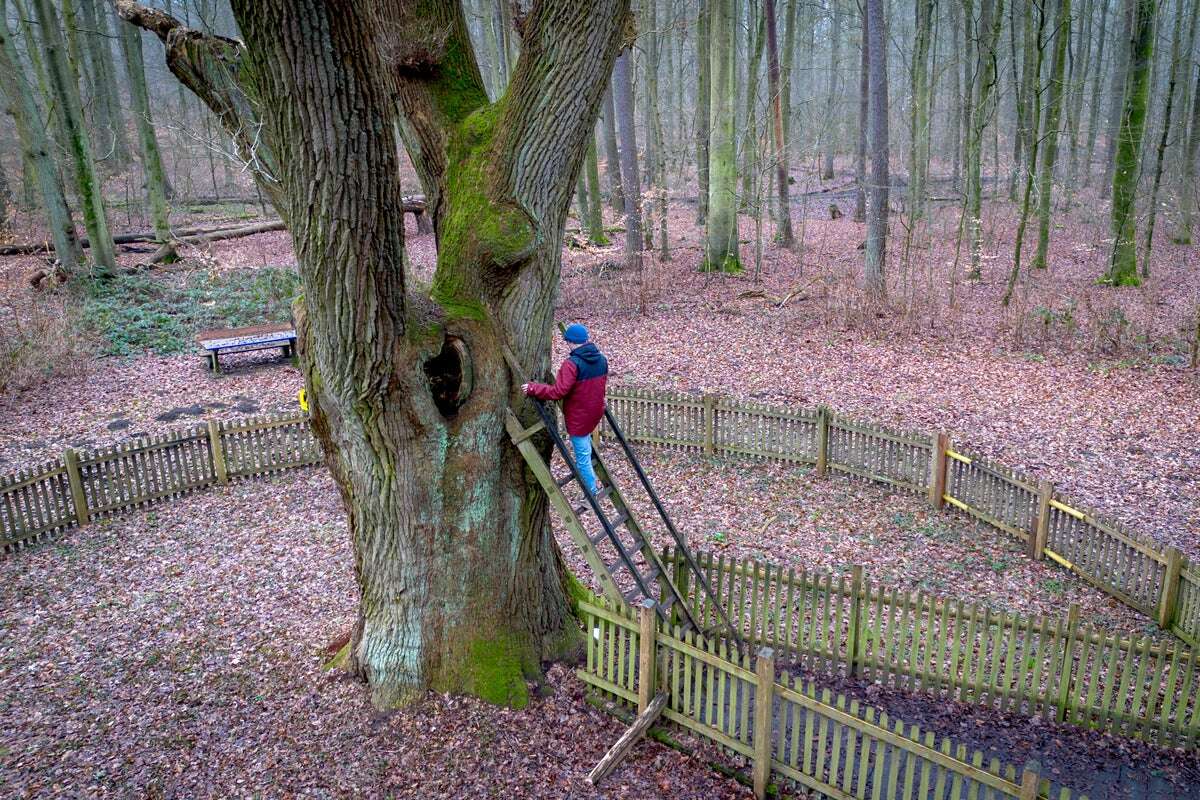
column 582, row 445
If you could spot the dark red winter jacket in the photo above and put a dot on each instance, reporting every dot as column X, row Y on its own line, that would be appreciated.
column 580, row 385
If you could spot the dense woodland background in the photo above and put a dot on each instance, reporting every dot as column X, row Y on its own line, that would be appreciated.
column 1020, row 116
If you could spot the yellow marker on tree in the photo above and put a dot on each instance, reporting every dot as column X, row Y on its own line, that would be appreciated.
column 303, row 398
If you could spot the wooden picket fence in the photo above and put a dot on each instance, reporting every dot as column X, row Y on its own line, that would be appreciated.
column 1060, row 669
column 81, row 486
column 1154, row 579
column 786, row 729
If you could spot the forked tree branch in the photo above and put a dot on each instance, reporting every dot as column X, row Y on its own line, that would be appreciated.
column 212, row 67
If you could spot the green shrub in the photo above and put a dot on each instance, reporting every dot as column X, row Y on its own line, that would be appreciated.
column 161, row 313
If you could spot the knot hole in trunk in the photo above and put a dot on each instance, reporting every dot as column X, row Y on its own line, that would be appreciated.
column 450, row 376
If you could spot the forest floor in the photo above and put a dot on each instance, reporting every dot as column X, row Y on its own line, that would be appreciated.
column 1080, row 384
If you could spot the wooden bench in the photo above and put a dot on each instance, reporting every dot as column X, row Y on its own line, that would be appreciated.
column 241, row 340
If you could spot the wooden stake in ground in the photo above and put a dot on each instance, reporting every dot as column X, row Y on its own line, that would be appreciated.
column 628, row 739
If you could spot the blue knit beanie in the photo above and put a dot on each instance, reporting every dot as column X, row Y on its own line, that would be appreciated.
column 575, row 333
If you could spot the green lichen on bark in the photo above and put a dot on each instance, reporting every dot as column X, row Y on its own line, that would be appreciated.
column 494, row 668
column 1122, row 269
column 482, row 234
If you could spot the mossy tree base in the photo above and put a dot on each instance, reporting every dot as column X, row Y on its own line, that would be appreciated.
column 730, row 265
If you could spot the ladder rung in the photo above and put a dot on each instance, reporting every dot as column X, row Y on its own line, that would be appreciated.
column 632, row 595
column 561, row 482
column 588, row 506
column 616, row 523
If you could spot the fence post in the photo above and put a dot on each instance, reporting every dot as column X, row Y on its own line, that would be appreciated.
column 78, row 498
column 937, row 470
column 822, row 441
column 1041, row 526
column 647, row 639
column 1170, row 589
column 710, row 424
column 218, row 452
column 1066, row 675
column 856, row 587
column 1031, row 779
column 764, row 704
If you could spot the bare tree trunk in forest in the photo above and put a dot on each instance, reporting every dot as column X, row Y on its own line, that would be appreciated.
column 131, row 46
column 783, row 211
column 703, row 106
column 1026, row 84
column 7, row 204
column 622, row 85
column 36, row 150
column 721, row 239
column 864, row 105
column 991, row 16
column 654, row 132
column 1122, row 269
column 835, row 66
column 918, row 153
column 66, row 96
column 1094, row 103
column 1034, row 120
column 786, row 73
column 1190, row 150
column 1164, row 138
column 461, row 585
column 595, row 221
column 612, row 156
column 1051, row 132
column 953, row 143
column 106, row 99
column 1079, row 76
column 877, row 194
column 1117, row 91
column 756, row 38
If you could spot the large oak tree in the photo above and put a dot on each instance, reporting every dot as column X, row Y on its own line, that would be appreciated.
column 462, row 587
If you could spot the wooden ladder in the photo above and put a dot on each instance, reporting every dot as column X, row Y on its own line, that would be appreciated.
column 650, row 578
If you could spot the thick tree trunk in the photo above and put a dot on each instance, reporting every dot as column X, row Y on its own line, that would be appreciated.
column 721, row 236
column 1122, row 269
column 152, row 166
column 756, row 35
column 1051, row 133
column 622, row 83
column 786, row 72
column 952, row 142
column 654, row 132
column 783, row 206
column 1079, row 77
column 877, row 194
column 66, row 96
column 7, row 204
column 461, row 585
column 1117, row 91
column 918, row 154
column 36, row 151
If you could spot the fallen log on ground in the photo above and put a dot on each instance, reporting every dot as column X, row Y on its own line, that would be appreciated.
column 33, row 248
column 168, row 250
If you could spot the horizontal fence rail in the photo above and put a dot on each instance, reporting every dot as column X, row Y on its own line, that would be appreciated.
column 848, row 626
column 783, row 726
column 1154, row 579
column 82, row 486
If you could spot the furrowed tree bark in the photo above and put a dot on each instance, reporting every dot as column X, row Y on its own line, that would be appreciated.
column 1122, row 269
column 461, row 585
column 36, row 150
column 721, row 236
column 66, row 95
